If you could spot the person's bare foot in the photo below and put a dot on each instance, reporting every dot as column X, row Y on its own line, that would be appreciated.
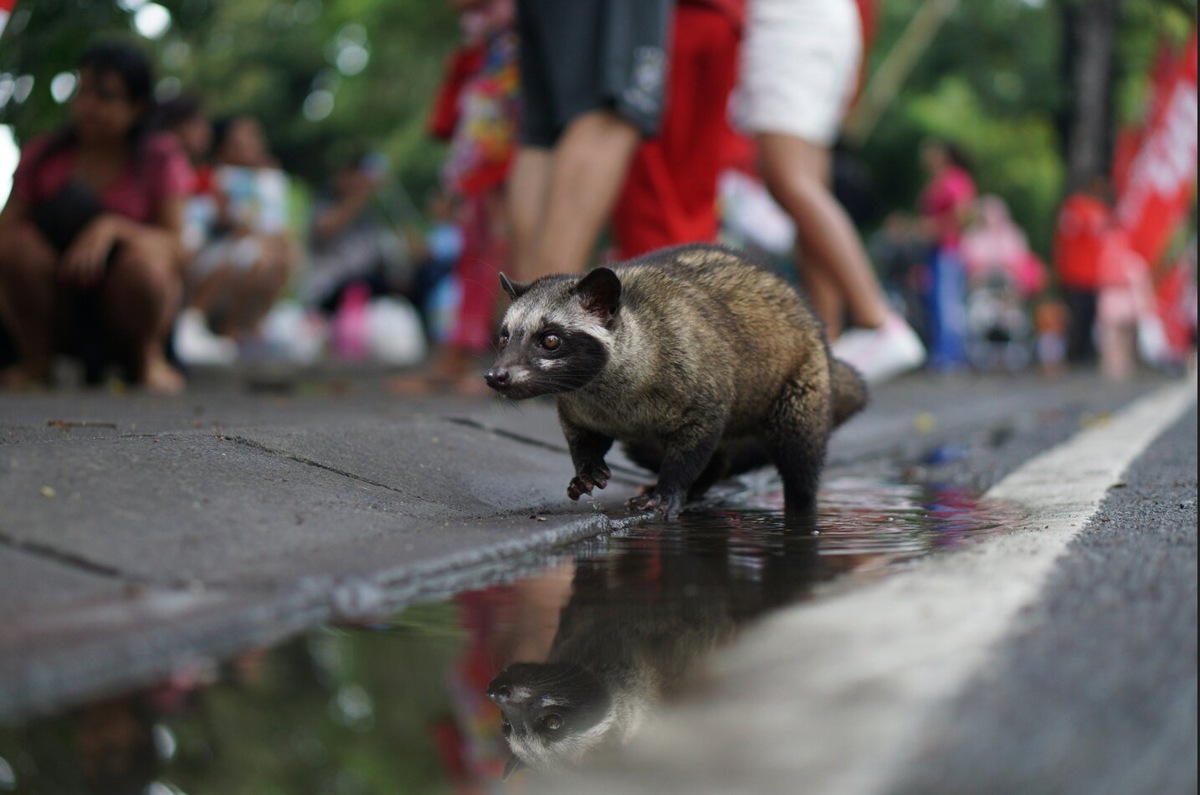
column 19, row 379
column 159, row 377
column 14, row 379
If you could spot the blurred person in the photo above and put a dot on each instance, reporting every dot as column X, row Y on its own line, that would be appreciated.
column 898, row 252
column 946, row 204
column 350, row 242
column 670, row 191
column 91, row 237
column 436, row 251
column 1124, row 303
column 1050, row 324
column 1084, row 221
column 476, row 110
column 251, row 254
column 502, row 624
column 593, row 76
column 801, row 61
column 994, row 244
column 185, row 117
column 1003, row 275
column 114, row 740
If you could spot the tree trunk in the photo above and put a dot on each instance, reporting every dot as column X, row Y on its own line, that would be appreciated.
column 1089, row 45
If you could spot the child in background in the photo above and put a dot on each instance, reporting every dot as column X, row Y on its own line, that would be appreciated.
column 251, row 254
column 351, row 242
column 195, row 343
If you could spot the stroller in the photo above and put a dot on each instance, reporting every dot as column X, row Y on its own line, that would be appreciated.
column 1002, row 274
column 999, row 330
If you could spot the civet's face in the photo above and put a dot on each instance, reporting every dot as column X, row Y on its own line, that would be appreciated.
column 551, row 714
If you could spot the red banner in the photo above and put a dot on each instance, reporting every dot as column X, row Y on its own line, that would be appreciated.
column 1158, row 188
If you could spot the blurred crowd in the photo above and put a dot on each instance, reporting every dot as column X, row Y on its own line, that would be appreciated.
column 148, row 239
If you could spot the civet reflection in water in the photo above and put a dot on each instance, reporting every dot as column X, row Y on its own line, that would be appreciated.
column 645, row 610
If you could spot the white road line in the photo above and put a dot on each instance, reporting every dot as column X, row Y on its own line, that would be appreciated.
column 829, row 698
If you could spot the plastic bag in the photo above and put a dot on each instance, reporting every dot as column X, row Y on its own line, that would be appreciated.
column 393, row 332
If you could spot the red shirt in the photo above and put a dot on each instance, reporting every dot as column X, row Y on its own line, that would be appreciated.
column 161, row 172
column 1083, row 223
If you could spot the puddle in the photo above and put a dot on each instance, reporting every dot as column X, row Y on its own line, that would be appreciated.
column 401, row 703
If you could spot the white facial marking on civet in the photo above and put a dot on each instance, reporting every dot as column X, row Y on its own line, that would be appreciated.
column 534, row 318
column 544, row 752
column 574, row 747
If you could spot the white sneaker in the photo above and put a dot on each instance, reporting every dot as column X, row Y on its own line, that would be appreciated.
column 881, row 354
column 196, row 344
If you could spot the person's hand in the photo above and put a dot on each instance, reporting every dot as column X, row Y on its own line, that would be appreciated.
column 83, row 264
column 150, row 245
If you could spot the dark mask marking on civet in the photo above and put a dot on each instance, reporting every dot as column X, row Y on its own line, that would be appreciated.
column 548, row 709
column 550, row 345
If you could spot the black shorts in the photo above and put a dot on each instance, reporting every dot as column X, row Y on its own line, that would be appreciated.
column 584, row 55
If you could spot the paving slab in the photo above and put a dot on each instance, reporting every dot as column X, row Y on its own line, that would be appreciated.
column 253, row 508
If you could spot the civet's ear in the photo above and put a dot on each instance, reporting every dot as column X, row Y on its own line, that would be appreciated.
column 600, row 292
column 514, row 289
column 511, row 766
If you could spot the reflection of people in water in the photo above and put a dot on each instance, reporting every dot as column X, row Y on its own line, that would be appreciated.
column 124, row 744
column 515, row 621
column 116, row 746
column 630, row 634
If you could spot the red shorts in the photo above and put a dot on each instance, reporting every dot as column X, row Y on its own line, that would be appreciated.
column 671, row 189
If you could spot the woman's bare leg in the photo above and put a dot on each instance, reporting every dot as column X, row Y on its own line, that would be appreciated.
column 528, row 186
column 824, row 295
column 590, row 162
column 797, row 173
column 139, row 299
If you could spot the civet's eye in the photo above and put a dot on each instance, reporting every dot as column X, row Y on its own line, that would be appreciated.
column 502, row 342
column 553, row 722
column 551, row 341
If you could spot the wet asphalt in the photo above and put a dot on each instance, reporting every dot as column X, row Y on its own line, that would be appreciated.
column 137, row 533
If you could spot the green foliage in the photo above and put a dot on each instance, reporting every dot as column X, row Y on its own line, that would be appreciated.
column 994, row 82
column 1013, row 155
column 266, row 58
column 994, row 93
column 42, row 39
column 1146, row 27
column 344, row 711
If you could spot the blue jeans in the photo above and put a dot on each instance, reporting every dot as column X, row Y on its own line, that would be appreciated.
column 947, row 303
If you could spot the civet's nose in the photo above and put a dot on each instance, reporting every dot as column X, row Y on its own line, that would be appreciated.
column 498, row 377
column 499, row 693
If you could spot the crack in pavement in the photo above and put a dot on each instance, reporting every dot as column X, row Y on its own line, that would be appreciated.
column 60, row 556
